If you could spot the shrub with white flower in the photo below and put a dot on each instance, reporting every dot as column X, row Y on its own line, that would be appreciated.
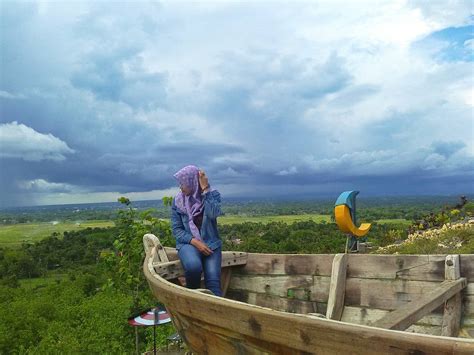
column 450, row 238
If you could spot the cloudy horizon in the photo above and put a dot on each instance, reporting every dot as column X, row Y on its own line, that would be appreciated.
column 103, row 99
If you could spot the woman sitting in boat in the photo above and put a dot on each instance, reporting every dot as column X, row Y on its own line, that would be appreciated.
column 194, row 224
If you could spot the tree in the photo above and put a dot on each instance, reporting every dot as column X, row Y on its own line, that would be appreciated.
column 125, row 265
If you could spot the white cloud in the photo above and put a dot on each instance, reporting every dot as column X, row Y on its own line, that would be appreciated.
column 53, row 198
column 433, row 161
column 382, row 162
column 291, row 171
column 229, row 172
column 182, row 126
column 41, row 185
column 469, row 45
column 388, row 162
column 468, row 96
column 7, row 95
column 23, row 142
column 444, row 13
column 360, row 23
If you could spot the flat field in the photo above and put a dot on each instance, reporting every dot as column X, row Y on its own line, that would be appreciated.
column 318, row 218
column 235, row 219
column 15, row 234
column 403, row 221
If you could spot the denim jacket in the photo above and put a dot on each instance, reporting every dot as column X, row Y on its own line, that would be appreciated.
column 209, row 233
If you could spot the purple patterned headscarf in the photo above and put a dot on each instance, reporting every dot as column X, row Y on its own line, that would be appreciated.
column 191, row 205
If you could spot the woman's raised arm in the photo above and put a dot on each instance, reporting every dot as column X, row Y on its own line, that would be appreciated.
column 212, row 204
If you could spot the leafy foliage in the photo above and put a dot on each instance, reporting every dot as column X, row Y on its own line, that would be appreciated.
column 300, row 237
column 63, row 319
column 448, row 214
column 126, row 262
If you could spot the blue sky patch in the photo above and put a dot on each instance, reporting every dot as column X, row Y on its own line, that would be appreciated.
column 452, row 43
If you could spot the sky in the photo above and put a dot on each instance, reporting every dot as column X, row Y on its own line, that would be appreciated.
column 272, row 99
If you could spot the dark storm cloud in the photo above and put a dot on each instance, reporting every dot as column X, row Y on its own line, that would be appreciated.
column 103, row 76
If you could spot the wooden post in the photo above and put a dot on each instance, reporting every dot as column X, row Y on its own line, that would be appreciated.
column 337, row 287
column 226, row 275
column 452, row 307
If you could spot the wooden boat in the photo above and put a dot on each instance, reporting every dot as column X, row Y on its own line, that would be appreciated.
column 324, row 304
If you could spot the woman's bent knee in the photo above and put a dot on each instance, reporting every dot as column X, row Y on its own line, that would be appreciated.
column 193, row 268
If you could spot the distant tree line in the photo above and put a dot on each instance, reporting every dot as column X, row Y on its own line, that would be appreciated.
column 371, row 209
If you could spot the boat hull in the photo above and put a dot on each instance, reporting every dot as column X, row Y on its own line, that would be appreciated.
column 214, row 325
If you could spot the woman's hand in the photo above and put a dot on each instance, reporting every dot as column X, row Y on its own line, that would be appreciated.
column 202, row 247
column 203, row 180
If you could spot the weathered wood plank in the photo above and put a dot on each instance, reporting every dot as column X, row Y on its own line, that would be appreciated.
column 361, row 315
column 337, row 287
column 306, row 287
column 368, row 316
column 356, row 315
column 384, row 294
column 452, row 316
column 291, row 305
column 469, row 290
column 210, row 339
column 226, row 275
column 371, row 293
column 174, row 269
column 468, row 321
column 231, row 258
column 172, row 253
column 452, row 269
column 229, row 342
column 288, row 264
column 468, row 303
column 403, row 317
column 275, row 285
column 409, row 267
column 452, row 307
column 406, row 267
column 467, row 266
column 162, row 253
column 360, row 266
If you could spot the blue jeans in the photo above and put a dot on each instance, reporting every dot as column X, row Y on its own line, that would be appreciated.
column 195, row 263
